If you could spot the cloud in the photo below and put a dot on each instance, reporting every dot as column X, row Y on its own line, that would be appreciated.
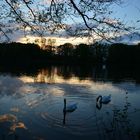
column 80, row 29
column 10, row 85
column 111, row 21
column 131, row 38
column 73, row 35
column 76, row 33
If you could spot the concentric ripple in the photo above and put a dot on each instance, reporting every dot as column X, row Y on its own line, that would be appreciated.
column 83, row 119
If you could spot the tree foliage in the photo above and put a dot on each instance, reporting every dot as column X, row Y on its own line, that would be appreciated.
column 65, row 50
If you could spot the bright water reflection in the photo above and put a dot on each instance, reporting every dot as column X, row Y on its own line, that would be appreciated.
column 31, row 108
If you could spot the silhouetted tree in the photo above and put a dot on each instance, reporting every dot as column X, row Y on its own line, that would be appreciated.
column 100, row 52
column 83, row 52
column 124, row 54
column 66, row 50
column 19, row 53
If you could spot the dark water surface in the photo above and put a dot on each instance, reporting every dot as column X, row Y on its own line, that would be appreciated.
column 31, row 103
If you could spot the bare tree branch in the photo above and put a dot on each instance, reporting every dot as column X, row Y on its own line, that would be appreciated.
column 8, row 39
column 58, row 15
column 21, row 19
column 80, row 13
column 26, row 3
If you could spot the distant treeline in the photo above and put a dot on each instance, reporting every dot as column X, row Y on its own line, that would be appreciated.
column 124, row 54
column 25, row 54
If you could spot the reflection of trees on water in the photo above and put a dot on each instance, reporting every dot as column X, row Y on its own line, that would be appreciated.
column 45, row 75
column 49, row 74
column 96, row 73
column 118, row 73
column 40, row 77
column 114, row 73
column 65, row 71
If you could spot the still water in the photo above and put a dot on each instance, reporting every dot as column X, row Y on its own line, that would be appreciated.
column 32, row 102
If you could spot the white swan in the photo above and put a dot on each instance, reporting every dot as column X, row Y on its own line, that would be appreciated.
column 103, row 99
column 69, row 108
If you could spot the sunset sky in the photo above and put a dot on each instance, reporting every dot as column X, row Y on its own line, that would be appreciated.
column 128, row 12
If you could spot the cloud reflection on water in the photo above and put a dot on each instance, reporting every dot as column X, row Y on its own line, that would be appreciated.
column 40, row 105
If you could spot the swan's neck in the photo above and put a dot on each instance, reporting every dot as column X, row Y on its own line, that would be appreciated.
column 64, row 105
column 99, row 99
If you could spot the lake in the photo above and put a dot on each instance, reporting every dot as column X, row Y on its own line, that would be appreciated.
column 32, row 102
